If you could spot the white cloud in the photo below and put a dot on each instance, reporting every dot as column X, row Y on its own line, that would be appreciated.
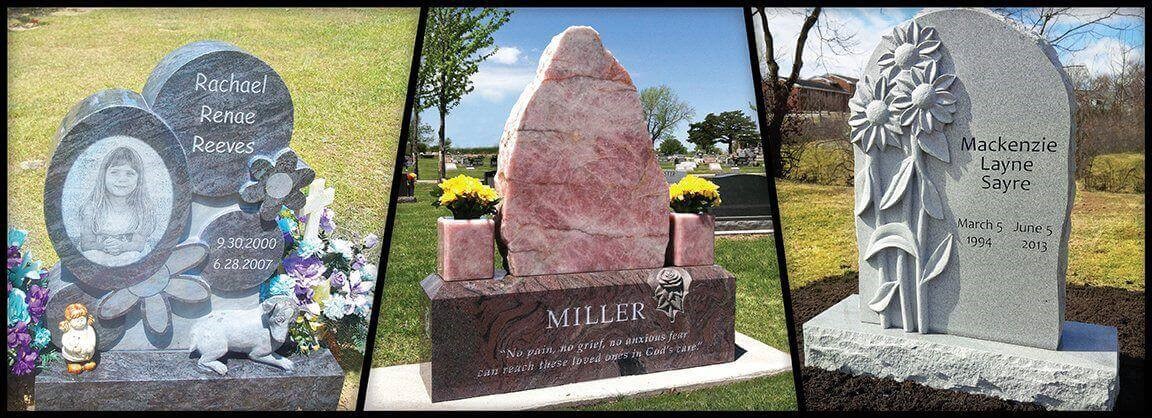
column 1103, row 56
column 496, row 82
column 506, row 55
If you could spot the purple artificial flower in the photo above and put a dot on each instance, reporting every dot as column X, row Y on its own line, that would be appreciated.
column 37, row 301
column 371, row 240
column 14, row 256
column 289, row 240
column 303, row 294
column 326, row 223
column 306, row 270
column 26, row 358
column 18, row 335
column 337, row 279
column 359, row 261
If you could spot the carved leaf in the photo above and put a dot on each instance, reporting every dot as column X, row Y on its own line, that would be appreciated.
column 939, row 260
column 864, row 188
column 935, row 144
column 892, row 235
column 930, row 198
column 883, row 296
column 899, row 184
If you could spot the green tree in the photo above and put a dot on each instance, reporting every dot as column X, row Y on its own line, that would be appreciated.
column 671, row 146
column 456, row 41
column 663, row 110
column 732, row 127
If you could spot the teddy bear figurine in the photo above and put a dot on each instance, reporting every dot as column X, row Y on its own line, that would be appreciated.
column 78, row 343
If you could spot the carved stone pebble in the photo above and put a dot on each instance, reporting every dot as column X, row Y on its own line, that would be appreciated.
column 226, row 106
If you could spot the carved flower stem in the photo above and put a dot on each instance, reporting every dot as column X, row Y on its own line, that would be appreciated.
column 878, row 190
column 919, row 230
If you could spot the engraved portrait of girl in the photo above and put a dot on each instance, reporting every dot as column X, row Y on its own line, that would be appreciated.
column 118, row 218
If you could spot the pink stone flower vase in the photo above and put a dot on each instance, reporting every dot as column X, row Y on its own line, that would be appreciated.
column 691, row 241
column 466, row 248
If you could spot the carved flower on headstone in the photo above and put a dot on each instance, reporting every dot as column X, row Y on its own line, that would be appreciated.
column 154, row 294
column 276, row 184
column 914, row 47
column 670, row 288
column 874, row 119
column 924, row 99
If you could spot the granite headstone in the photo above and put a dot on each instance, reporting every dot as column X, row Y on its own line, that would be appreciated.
column 963, row 131
column 156, row 228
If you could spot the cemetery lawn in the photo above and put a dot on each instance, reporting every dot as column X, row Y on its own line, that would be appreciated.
column 346, row 69
column 1106, row 247
column 400, row 336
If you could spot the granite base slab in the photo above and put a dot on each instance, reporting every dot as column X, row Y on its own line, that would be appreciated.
column 1081, row 375
column 170, row 380
column 526, row 332
column 403, row 388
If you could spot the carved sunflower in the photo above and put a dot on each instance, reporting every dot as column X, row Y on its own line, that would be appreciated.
column 924, row 99
column 914, row 47
column 276, row 184
column 873, row 116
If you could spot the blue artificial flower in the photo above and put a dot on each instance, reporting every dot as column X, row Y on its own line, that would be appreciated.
column 17, row 307
column 368, row 272
column 308, row 247
column 16, row 237
column 27, row 270
column 280, row 284
column 41, row 337
column 335, row 307
column 287, row 225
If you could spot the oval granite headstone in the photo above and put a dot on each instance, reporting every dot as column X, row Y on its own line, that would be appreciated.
column 963, row 128
column 226, row 106
column 242, row 251
column 116, row 196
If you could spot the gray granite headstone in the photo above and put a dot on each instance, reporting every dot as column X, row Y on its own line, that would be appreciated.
column 226, row 106
column 243, row 251
column 963, row 127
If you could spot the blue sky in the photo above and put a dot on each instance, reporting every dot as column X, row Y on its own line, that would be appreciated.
column 1097, row 52
column 702, row 54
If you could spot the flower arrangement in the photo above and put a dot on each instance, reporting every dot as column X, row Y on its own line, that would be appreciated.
column 693, row 195
column 29, row 341
column 466, row 197
column 331, row 278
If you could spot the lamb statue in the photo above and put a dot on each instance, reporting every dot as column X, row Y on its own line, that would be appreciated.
column 258, row 332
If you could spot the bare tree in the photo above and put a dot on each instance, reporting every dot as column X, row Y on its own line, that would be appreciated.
column 778, row 96
column 1066, row 28
column 663, row 110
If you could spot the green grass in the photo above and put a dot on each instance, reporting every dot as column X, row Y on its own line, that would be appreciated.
column 1106, row 247
column 400, row 337
column 1120, row 173
column 346, row 69
column 772, row 393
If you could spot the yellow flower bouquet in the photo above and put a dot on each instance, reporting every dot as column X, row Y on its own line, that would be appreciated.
column 466, row 197
column 693, row 195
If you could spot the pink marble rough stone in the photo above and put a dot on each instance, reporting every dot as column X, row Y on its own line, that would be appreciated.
column 581, row 188
column 465, row 248
column 692, row 239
